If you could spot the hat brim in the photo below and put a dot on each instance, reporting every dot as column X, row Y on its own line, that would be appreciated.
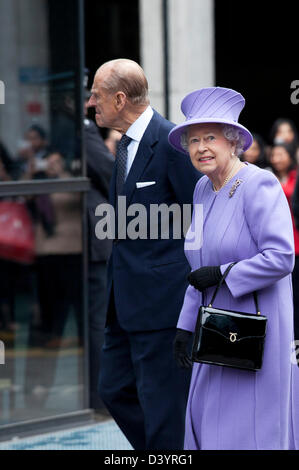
column 174, row 137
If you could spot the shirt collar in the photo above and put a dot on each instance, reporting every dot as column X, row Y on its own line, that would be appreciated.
column 137, row 129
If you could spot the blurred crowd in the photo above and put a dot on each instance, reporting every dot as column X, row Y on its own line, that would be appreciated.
column 280, row 154
column 56, row 228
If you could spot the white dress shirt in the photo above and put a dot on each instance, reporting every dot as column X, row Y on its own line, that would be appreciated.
column 136, row 131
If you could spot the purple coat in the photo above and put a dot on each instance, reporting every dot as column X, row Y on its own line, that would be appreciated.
column 230, row 408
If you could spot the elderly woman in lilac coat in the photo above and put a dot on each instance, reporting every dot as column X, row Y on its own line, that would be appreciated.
column 246, row 219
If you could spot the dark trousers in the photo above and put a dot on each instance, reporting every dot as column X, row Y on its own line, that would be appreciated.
column 97, row 273
column 142, row 387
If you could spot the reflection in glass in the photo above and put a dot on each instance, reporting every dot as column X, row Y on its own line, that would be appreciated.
column 41, row 305
column 40, row 71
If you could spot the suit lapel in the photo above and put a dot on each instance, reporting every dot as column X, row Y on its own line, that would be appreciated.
column 143, row 156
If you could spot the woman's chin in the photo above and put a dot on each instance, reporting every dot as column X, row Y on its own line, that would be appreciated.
column 205, row 168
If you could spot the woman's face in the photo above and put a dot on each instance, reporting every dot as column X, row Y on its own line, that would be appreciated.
column 252, row 154
column 284, row 133
column 55, row 165
column 280, row 159
column 209, row 150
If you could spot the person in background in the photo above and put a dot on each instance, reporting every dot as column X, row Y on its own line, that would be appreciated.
column 256, row 153
column 59, row 257
column 32, row 153
column 284, row 131
column 58, row 267
column 284, row 165
column 10, row 271
column 37, row 137
column 140, row 383
column 100, row 164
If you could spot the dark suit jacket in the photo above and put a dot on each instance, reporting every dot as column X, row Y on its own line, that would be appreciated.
column 100, row 164
column 150, row 276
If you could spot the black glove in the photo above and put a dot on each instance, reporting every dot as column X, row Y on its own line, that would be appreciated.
column 204, row 277
column 180, row 345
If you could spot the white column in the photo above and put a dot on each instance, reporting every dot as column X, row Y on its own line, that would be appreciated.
column 191, row 50
column 151, row 48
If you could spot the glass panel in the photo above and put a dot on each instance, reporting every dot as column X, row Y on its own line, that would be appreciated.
column 40, row 74
column 41, row 308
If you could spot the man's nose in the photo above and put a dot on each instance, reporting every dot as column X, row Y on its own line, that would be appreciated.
column 90, row 102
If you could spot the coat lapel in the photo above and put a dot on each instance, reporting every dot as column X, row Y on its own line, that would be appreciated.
column 222, row 212
column 143, row 156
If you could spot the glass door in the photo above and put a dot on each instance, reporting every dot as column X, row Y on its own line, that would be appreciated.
column 43, row 369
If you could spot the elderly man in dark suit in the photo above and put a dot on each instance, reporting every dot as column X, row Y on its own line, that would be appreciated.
column 140, row 383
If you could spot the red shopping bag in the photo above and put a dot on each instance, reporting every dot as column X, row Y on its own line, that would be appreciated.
column 16, row 232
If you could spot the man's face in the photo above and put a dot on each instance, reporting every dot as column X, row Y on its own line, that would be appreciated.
column 103, row 102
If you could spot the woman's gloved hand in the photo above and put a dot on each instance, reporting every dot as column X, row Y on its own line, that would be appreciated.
column 180, row 346
column 204, row 277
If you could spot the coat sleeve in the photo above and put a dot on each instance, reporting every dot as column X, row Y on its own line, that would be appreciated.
column 188, row 315
column 295, row 204
column 269, row 220
column 193, row 298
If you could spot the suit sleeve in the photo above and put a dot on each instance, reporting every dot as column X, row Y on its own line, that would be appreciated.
column 99, row 162
column 268, row 216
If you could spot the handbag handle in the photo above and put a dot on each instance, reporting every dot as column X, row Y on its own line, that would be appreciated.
column 222, row 281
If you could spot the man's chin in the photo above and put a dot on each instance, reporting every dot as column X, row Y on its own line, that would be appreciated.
column 99, row 121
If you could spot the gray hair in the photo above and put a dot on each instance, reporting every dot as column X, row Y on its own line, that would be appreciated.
column 127, row 76
column 231, row 133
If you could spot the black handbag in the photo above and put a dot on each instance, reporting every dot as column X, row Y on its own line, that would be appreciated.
column 229, row 338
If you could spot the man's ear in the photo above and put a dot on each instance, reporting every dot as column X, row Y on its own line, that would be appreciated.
column 120, row 100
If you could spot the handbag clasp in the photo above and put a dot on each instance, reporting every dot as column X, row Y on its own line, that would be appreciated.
column 233, row 337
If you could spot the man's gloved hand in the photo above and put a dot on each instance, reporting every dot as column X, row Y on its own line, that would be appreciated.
column 180, row 345
column 204, row 277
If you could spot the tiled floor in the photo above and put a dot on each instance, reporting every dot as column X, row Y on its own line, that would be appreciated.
column 102, row 436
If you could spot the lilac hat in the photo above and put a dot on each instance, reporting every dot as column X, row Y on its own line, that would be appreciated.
column 214, row 104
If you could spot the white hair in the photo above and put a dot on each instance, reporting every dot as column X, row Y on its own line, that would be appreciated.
column 231, row 133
